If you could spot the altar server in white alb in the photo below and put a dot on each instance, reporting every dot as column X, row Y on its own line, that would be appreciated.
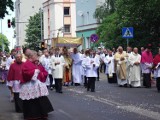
column 134, row 75
column 110, row 70
column 77, row 67
column 46, row 63
column 91, row 63
column 58, row 63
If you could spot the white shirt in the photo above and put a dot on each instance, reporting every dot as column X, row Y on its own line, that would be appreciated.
column 9, row 62
column 91, row 71
column 46, row 62
column 57, row 69
column 157, row 71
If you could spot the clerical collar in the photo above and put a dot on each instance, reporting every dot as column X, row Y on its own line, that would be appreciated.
column 57, row 55
column 12, row 56
column 106, row 55
column 92, row 56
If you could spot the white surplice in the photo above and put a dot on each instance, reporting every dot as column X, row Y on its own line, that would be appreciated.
column 109, row 61
column 157, row 71
column 77, row 67
column 134, row 75
column 46, row 63
column 57, row 69
column 91, row 71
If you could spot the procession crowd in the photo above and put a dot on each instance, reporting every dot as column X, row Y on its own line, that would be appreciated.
column 30, row 75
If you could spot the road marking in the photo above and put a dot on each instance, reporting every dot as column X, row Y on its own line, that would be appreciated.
column 76, row 91
column 66, row 114
column 141, row 111
column 158, row 106
column 129, row 108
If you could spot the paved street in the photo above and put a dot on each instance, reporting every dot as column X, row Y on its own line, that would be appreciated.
column 109, row 102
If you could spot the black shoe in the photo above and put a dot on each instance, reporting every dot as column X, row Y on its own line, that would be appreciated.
column 60, row 92
column 130, row 86
column 77, row 84
column 92, row 90
column 51, row 88
column 125, row 85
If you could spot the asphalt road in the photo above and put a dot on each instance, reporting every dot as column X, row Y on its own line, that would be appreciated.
column 109, row 102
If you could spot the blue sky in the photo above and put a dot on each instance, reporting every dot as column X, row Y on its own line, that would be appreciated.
column 8, row 32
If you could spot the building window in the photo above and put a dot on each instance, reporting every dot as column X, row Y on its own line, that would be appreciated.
column 66, row 11
column 67, row 28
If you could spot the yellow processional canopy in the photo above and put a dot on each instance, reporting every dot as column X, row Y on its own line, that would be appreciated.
column 68, row 42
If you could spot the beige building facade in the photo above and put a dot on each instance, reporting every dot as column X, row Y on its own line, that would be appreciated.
column 59, row 17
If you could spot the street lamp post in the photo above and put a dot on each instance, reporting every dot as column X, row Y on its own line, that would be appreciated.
column 41, row 24
column 2, row 38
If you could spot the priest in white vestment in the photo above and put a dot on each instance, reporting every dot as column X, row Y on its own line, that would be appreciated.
column 58, row 63
column 134, row 75
column 77, row 67
column 46, row 63
column 110, row 70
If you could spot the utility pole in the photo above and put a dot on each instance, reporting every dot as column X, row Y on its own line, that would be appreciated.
column 41, row 24
column 2, row 38
column 16, row 21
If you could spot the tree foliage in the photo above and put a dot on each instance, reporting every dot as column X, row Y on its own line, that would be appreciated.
column 3, row 7
column 144, row 16
column 104, row 10
column 33, row 32
column 3, row 39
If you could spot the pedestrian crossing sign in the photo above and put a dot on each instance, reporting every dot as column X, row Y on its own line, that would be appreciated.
column 127, row 32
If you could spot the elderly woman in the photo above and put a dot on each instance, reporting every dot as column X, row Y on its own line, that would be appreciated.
column 34, row 92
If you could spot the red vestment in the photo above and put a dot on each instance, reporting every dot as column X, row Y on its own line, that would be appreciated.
column 156, row 60
column 15, row 72
column 28, row 70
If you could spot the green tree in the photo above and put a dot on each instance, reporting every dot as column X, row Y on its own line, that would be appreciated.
column 144, row 16
column 3, row 7
column 3, row 39
column 33, row 32
column 102, row 11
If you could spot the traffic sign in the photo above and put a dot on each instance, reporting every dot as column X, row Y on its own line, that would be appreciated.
column 127, row 32
column 94, row 38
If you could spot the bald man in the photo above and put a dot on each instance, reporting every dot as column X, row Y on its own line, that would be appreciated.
column 120, row 67
column 134, row 78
